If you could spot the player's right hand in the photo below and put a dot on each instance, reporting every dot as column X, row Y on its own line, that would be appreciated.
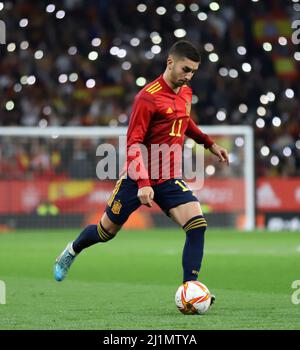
column 145, row 195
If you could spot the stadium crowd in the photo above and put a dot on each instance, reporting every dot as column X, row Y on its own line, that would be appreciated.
column 75, row 62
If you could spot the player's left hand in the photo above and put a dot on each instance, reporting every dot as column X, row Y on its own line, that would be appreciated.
column 146, row 195
column 220, row 152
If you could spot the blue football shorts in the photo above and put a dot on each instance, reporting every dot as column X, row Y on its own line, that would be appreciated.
column 167, row 195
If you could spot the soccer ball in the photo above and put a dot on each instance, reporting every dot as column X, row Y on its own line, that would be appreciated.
column 193, row 297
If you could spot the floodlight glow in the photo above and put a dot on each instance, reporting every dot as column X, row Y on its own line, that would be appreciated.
column 90, row 83
column 141, row 7
column 179, row 33
column 140, row 81
column 161, row 10
column 202, row 16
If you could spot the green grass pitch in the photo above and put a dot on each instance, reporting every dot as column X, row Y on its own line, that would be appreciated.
column 130, row 282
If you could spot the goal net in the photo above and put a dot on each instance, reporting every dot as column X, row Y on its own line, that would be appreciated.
column 49, row 178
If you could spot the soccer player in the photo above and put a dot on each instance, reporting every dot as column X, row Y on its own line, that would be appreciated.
column 160, row 115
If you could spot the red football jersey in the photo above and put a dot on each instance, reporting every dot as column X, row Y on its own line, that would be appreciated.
column 160, row 117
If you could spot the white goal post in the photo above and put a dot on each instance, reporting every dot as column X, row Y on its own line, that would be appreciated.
column 92, row 132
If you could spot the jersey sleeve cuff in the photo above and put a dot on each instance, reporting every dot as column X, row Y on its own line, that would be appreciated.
column 143, row 183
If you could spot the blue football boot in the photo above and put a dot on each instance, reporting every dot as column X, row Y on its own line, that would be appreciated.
column 63, row 263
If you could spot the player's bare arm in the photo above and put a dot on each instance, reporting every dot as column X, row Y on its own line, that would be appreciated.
column 220, row 152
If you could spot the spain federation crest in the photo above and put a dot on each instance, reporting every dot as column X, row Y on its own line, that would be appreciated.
column 116, row 208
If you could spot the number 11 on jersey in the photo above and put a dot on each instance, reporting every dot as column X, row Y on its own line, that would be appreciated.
column 172, row 133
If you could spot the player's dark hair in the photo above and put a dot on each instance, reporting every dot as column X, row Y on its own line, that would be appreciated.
column 184, row 48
